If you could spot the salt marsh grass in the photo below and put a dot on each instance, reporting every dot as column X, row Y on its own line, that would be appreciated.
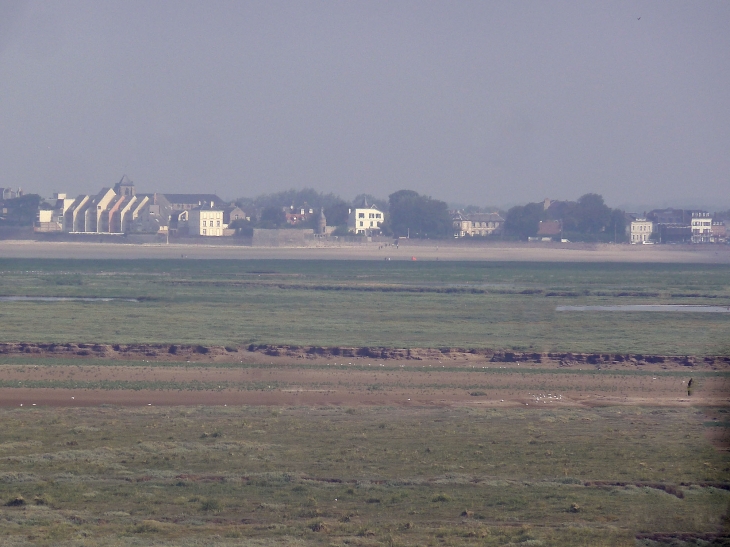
column 324, row 476
column 430, row 304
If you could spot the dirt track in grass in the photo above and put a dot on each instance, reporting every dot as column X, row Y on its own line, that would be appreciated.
column 354, row 382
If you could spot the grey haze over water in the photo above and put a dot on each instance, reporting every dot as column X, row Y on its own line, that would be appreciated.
column 475, row 102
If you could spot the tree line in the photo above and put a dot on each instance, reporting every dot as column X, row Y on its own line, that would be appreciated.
column 410, row 214
column 587, row 219
column 407, row 213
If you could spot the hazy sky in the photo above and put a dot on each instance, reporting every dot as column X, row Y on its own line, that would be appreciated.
column 475, row 102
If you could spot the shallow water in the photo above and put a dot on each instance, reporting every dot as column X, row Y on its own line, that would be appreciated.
column 63, row 299
column 686, row 308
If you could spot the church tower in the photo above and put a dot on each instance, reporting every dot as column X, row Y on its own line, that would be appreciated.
column 124, row 187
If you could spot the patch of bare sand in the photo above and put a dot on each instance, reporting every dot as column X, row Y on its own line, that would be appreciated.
column 45, row 397
column 352, row 385
column 443, row 250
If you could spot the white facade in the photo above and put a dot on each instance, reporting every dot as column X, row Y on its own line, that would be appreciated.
column 641, row 230
column 701, row 227
column 477, row 224
column 365, row 221
column 206, row 221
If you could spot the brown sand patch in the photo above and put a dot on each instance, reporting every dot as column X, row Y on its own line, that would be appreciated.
column 351, row 384
column 426, row 250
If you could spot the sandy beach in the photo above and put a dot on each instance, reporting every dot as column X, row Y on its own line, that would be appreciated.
column 408, row 250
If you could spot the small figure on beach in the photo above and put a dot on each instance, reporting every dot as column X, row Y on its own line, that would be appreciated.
column 689, row 387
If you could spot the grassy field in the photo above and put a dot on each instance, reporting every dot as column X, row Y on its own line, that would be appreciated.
column 346, row 476
column 337, row 456
column 393, row 304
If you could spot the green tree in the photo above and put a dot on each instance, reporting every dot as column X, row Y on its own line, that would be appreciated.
column 418, row 216
column 524, row 220
column 337, row 213
column 563, row 211
column 243, row 227
column 272, row 217
column 591, row 214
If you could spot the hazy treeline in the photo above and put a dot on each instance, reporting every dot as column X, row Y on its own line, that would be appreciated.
column 268, row 210
column 407, row 214
column 588, row 219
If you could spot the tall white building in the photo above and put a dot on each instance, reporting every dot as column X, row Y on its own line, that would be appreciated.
column 701, row 225
column 641, row 230
column 365, row 221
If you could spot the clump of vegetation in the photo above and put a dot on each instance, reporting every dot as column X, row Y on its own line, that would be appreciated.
column 42, row 500
column 318, row 526
column 441, row 498
column 150, row 527
column 210, row 505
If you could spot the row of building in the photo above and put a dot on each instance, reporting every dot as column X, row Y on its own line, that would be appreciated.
column 659, row 225
column 676, row 226
column 121, row 210
column 655, row 227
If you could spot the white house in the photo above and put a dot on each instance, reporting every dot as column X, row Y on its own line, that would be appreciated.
column 701, row 225
column 641, row 230
column 365, row 220
column 477, row 224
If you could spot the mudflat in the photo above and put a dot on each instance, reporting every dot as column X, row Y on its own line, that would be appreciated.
column 406, row 250
column 256, row 379
column 228, row 402
column 361, row 452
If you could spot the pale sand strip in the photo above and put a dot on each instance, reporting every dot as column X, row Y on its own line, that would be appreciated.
column 445, row 250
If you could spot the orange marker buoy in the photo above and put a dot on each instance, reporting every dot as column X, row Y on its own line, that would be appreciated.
column 413, row 258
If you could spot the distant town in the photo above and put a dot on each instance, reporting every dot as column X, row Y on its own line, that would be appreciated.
column 295, row 215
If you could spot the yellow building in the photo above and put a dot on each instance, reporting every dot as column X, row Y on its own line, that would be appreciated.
column 477, row 224
column 206, row 221
column 641, row 230
column 365, row 221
